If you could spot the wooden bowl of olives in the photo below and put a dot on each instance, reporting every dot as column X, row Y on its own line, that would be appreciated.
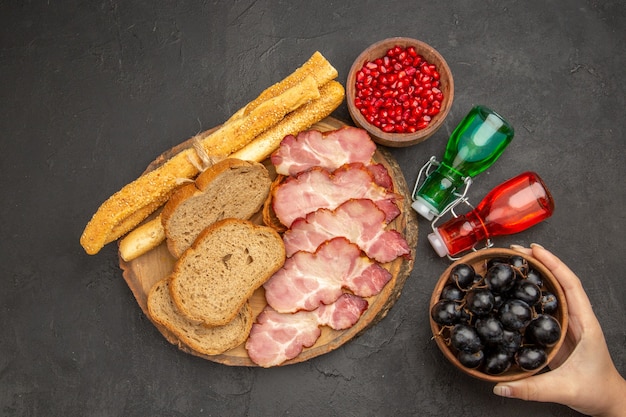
column 498, row 315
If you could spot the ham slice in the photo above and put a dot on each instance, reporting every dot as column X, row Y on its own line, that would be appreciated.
column 308, row 280
column 381, row 176
column 360, row 221
column 276, row 337
column 318, row 188
column 327, row 150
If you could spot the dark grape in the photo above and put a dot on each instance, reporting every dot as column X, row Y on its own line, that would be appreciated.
column 527, row 292
column 489, row 329
column 445, row 312
column 471, row 360
column 451, row 292
column 465, row 338
column 497, row 260
column 530, row 358
column 548, row 303
column 520, row 264
column 497, row 362
column 544, row 330
column 500, row 278
column 462, row 275
column 535, row 277
column 515, row 314
column 511, row 341
column 479, row 301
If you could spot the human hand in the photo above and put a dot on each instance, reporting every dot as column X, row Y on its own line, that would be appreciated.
column 583, row 376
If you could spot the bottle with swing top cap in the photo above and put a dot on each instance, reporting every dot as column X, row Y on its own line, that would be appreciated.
column 475, row 144
column 511, row 207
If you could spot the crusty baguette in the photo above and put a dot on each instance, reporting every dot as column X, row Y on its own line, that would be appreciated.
column 228, row 261
column 153, row 189
column 200, row 338
column 331, row 96
column 232, row 188
column 317, row 67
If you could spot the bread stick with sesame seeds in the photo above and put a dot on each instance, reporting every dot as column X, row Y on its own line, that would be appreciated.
column 317, row 67
column 151, row 190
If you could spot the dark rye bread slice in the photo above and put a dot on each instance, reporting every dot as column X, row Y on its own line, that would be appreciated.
column 198, row 337
column 230, row 259
column 231, row 188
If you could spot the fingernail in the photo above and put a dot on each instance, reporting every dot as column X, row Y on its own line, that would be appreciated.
column 502, row 390
column 536, row 245
column 516, row 247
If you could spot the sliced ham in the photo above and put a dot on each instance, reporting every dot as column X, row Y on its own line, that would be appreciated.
column 277, row 337
column 381, row 176
column 360, row 221
column 318, row 188
column 308, row 280
column 327, row 150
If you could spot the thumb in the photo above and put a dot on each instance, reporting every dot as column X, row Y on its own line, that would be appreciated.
column 534, row 388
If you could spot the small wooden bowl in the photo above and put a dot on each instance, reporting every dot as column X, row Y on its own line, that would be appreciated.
column 478, row 260
column 378, row 50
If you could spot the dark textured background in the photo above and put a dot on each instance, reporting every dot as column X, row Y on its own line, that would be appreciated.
column 92, row 91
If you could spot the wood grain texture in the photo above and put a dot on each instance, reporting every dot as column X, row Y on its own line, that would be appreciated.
column 143, row 272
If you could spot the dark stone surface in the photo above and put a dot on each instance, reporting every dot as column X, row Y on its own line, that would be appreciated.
column 92, row 91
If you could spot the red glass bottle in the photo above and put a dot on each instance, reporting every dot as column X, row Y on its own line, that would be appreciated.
column 511, row 207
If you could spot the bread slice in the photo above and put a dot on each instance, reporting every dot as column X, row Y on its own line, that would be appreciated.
column 214, row 278
column 198, row 337
column 231, row 188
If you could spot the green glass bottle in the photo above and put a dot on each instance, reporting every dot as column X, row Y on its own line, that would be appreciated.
column 474, row 146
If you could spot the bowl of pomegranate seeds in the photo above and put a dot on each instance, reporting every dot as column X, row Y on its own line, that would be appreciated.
column 400, row 90
column 498, row 315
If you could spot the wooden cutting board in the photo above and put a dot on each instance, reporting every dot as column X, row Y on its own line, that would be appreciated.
column 143, row 272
